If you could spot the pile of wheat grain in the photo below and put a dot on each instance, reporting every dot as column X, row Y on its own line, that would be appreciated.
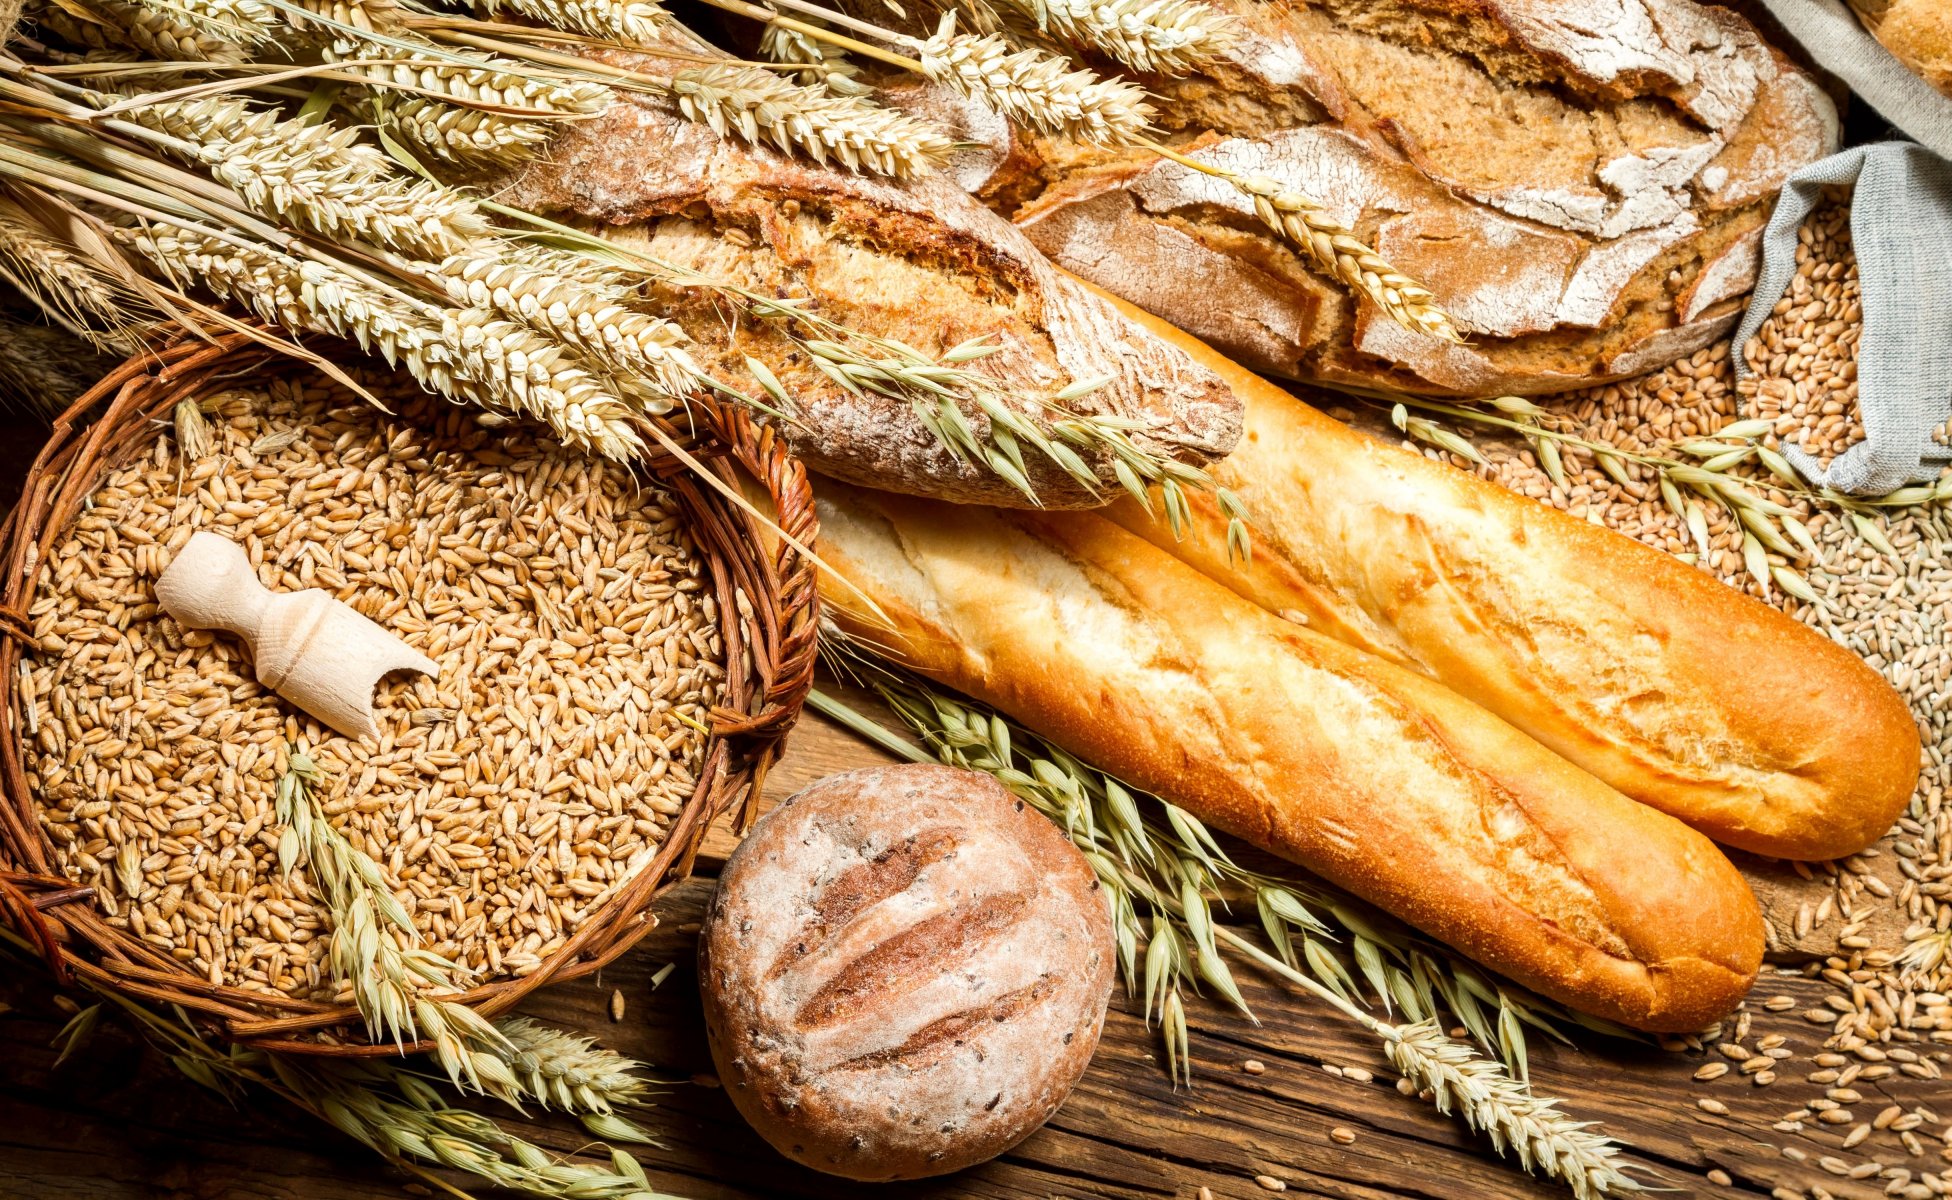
column 579, row 655
column 1889, row 1016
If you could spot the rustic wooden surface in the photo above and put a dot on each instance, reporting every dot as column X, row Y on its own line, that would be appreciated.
column 114, row 1122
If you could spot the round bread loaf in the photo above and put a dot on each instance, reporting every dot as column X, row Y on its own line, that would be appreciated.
column 904, row 971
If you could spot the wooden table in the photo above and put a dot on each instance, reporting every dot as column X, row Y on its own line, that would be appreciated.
column 116, row 1122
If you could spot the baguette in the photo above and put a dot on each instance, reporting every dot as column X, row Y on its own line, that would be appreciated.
column 1369, row 775
column 1677, row 690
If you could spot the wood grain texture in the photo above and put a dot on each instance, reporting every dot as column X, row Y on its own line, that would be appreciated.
column 115, row 1123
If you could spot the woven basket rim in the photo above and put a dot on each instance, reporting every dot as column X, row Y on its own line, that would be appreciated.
column 773, row 631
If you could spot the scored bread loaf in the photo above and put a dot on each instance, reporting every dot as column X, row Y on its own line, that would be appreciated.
column 919, row 262
column 1652, row 675
column 1582, row 183
column 904, row 972
column 1366, row 773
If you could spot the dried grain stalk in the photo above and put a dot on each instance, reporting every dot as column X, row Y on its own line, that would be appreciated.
column 1156, row 37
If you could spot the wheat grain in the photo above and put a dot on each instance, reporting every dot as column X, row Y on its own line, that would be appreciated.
column 763, row 108
column 505, row 802
column 638, row 349
column 1034, row 88
column 1166, row 37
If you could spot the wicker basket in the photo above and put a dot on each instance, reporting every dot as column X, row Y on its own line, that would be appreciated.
column 758, row 705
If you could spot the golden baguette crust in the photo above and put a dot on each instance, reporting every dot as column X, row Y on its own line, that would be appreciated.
column 1368, row 774
column 1674, row 688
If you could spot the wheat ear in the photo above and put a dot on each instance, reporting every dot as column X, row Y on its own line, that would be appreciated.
column 158, row 33
column 1034, row 88
column 240, row 22
column 1164, row 37
column 318, row 177
column 632, row 22
column 638, row 348
column 762, row 107
column 468, row 355
column 62, row 282
column 487, row 82
column 454, row 134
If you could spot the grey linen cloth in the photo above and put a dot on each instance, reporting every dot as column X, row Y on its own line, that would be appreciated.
column 1901, row 224
column 1842, row 46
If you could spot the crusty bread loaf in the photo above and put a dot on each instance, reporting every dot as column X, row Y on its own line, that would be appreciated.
column 920, row 262
column 1918, row 33
column 904, row 971
column 1581, row 182
column 1675, row 689
column 1364, row 772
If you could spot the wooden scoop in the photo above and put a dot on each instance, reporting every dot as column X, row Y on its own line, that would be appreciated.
column 313, row 650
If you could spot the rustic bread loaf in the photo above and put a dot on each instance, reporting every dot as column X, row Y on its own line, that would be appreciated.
column 1679, row 691
column 1918, row 33
column 1364, row 772
column 921, row 262
column 1581, row 182
column 905, row 971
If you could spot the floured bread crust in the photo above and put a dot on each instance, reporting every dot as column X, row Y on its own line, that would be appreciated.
column 921, row 262
column 1580, row 182
column 1917, row 32
column 905, row 971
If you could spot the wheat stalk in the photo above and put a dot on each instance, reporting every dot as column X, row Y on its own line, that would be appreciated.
column 399, row 1116
column 1034, row 88
column 1168, row 866
column 342, row 21
column 319, row 178
column 63, row 283
column 1164, row 37
column 1333, row 247
column 375, row 947
column 762, row 108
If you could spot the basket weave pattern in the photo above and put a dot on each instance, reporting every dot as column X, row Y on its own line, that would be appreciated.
column 769, row 655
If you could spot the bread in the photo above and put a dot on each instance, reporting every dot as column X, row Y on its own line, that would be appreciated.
column 904, row 971
column 1918, row 33
column 1363, row 772
column 1675, row 689
column 920, row 262
column 1582, row 183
